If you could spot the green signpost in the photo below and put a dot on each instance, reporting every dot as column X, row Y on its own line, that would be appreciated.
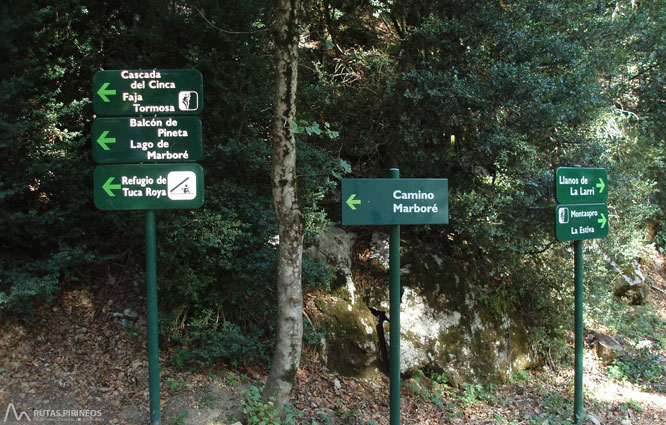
column 148, row 92
column 575, row 185
column 133, row 140
column 582, row 214
column 155, row 141
column 391, row 201
column 394, row 201
column 581, row 221
column 148, row 186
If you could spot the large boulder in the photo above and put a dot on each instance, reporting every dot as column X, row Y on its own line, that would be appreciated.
column 350, row 345
column 444, row 326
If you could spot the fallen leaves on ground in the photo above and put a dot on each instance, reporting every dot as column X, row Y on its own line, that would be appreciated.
column 87, row 350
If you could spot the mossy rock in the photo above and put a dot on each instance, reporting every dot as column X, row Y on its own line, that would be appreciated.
column 351, row 345
column 445, row 327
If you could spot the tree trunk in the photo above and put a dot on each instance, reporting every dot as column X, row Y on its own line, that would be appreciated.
column 287, row 355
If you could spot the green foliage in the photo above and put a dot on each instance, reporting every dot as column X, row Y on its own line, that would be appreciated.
column 181, row 417
column 316, row 274
column 44, row 203
column 180, row 356
column 229, row 342
column 215, row 264
column 632, row 405
column 644, row 366
column 519, row 376
column 478, row 392
column 492, row 95
column 174, row 385
column 259, row 413
column 312, row 335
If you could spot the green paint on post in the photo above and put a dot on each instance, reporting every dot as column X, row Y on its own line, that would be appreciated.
column 578, row 326
column 151, row 312
column 394, row 202
column 583, row 215
column 394, row 314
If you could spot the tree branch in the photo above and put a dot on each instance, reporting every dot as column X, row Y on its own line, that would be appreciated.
column 227, row 31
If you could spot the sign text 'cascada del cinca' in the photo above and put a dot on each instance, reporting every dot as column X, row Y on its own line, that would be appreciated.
column 148, row 92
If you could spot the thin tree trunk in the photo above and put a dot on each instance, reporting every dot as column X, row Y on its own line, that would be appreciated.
column 287, row 355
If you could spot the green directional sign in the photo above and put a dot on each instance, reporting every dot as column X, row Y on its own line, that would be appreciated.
column 575, row 185
column 148, row 186
column 395, row 201
column 153, row 139
column 147, row 92
column 581, row 221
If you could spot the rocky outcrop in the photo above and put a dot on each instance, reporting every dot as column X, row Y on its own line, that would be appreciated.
column 632, row 283
column 351, row 344
column 444, row 326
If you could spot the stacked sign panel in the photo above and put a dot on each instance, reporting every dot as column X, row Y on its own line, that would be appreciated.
column 582, row 212
column 153, row 127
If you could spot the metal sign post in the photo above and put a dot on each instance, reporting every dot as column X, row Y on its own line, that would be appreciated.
column 394, row 202
column 394, row 315
column 579, row 327
column 151, row 319
column 147, row 127
column 582, row 214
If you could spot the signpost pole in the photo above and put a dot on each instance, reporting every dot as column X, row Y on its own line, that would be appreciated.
column 394, row 295
column 578, row 326
column 151, row 309
column 581, row 214
column 393, row 202
column 143, row 109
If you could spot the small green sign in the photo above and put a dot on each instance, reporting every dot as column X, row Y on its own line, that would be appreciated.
column 395, row 201
column 147, row 92
column 148, row 186
column 581, row 221
column 575, row 185
column 146, row 139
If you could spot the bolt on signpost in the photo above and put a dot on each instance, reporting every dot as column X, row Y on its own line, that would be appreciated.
column 153, row 130
column 582, row 214
column 393, row 202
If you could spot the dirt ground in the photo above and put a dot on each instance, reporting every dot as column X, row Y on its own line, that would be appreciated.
column 84, row 359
